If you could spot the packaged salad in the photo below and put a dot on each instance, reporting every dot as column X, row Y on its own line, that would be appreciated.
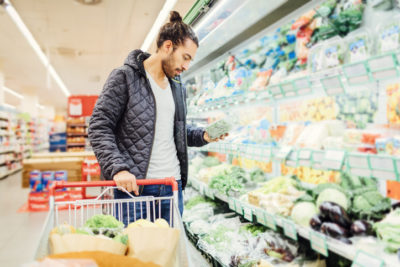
column 358, row 46
column 388, row 35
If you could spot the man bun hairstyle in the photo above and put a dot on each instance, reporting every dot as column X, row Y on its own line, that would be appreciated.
column 176, row 31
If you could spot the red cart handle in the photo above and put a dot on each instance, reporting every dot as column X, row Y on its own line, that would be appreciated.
column 62, row 184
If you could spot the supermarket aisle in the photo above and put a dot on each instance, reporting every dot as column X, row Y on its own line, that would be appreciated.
column 19, row 232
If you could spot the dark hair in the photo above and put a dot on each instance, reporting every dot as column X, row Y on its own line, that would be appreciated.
column 176, row 31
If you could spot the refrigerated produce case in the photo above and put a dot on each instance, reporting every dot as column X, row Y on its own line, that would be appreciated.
column 313, row 102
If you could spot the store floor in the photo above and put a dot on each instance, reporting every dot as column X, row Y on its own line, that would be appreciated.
column 20, row 232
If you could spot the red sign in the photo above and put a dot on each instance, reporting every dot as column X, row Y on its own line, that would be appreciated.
column 81, row 105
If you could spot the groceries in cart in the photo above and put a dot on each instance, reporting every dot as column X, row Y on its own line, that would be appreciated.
column 93, row 228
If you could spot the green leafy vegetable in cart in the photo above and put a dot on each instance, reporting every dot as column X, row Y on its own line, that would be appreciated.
column 103, row 221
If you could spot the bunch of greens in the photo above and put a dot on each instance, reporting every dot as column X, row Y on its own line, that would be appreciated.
column 196, row 201
column 103, row 221
column 232, row 180
column 388, row 230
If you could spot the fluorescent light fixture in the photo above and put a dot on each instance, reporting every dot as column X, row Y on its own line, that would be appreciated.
column 162, row 16
column 39, row 106
column 209, row 15
column 29, row 37
column 9, row 106
column 8, row 90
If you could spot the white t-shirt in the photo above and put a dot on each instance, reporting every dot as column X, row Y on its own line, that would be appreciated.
column 164, row 160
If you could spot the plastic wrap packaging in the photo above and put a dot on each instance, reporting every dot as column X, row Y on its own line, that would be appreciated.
column 219, row 128
column 316, row 58
column 388, row 35
column 333, row 53
column 359, row 46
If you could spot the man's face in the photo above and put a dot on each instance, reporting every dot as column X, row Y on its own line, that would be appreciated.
column 177, row 60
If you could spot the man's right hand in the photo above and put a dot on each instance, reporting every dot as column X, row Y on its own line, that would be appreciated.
column 126, row 180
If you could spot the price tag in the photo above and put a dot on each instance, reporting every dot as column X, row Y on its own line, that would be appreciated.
column 248, row 213
column 260, row 216
column 304, row 91
column 381, row 62
column 304, row 162
column 202, row 189
column 318, row 243
column 287, row 87
column 209, row 193
column 238, row 207
column 384, row 175
column 356, row 70
column 284, row 152
column 289, row 229
column 332, row 85
column 270, row 221
column 398, row 164
column 275, row 90
column 304, row 154
column 384, row 74
column 360, row 172
column 302, row 83
column 232, row 204
column 364, row 259
column 382, row 163
column 359, row 161
column 333, row 159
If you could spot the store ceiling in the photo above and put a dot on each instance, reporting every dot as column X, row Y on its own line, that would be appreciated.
column 84, row 43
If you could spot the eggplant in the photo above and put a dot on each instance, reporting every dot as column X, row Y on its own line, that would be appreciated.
column 335, row 213
column 360, row 227
column 333, row 230
column 345, row 240
column 316, row 222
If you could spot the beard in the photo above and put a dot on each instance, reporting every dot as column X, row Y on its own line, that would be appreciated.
column 168, row 67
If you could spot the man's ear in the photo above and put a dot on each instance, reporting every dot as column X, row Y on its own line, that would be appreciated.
column 168, row 46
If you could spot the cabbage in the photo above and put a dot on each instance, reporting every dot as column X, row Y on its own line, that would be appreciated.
column 302, row 213
column 334, row 196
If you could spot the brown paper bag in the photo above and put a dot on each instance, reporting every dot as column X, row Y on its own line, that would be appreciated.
column 79, row 242
column 158, row 245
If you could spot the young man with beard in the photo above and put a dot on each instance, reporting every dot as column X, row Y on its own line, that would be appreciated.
column 138, row 127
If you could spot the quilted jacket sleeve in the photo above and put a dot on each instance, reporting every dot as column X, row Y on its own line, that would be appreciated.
column 195, row 135
column 107, row 112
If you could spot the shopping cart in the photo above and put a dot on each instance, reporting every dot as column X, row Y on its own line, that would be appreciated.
column 76, row 212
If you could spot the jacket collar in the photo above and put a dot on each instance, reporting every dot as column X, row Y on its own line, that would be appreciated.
column 135, row 60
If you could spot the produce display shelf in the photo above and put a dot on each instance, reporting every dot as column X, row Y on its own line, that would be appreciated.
column 77, row 134
column 10, row 172
column 76, row 125
column 7, row 151
column 300, row 86
column 76, row 144
column 382, row 166
column 323, row 243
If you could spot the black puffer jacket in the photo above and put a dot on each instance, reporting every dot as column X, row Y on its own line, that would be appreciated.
column 122, row 126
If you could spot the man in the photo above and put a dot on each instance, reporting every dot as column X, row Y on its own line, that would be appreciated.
column 138, row 127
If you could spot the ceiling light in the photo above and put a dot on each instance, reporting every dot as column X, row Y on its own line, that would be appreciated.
column 89, row 2
column 28, row 35
column 9, row 106
column 162, row 16
column 8, row 90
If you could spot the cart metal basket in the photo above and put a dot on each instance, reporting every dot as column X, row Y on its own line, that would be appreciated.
column 77, row 212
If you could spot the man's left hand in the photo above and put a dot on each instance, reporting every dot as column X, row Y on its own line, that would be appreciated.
column 209, row 140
